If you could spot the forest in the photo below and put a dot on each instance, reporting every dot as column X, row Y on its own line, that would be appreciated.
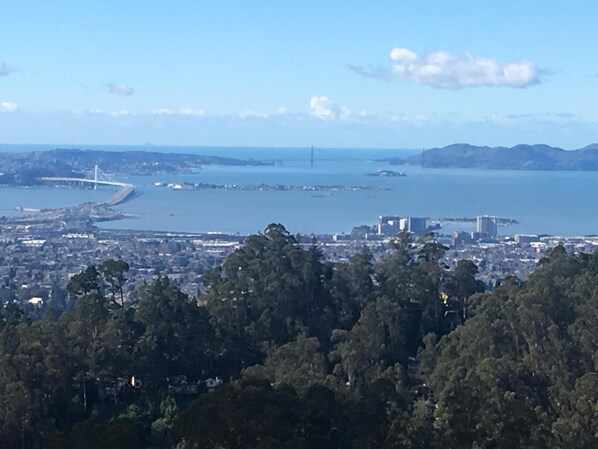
column 284, row 350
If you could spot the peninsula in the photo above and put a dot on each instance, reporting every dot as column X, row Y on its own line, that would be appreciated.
column 519, row 157
column 26, row 168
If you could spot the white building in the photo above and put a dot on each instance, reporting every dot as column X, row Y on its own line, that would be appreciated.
column 487, row 225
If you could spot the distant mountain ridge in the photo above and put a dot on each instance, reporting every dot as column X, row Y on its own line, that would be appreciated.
column 27, row 167
column 519, row 157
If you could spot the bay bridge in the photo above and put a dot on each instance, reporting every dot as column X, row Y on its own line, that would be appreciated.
column 124, row 192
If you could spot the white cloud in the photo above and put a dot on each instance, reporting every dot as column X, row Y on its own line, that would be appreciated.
column 191, row 111
column 120, row 113
column 402, row 53
column 120, row 89
column 282, row 110
column 83, row 113
column 252, row 114
column 182, row 111
column 8, row 106
column 444, row 70
column 344, row 113
column 322, row 107
column 4, row 68
column 162, row 111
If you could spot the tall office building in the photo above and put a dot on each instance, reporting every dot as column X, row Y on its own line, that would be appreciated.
column 417, row 225
column 487, row 225
column 388, row 225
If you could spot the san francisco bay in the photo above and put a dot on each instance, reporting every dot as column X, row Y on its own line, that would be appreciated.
column 551, row 202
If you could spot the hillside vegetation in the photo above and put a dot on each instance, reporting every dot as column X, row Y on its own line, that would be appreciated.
column 396, row 353
column 519, row 157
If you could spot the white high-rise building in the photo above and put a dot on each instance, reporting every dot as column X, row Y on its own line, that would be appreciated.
column 487, row 225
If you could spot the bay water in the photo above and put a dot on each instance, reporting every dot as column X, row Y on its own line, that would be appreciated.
column 559, row 203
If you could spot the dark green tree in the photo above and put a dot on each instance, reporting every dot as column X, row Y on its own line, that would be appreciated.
column 176, row 336
column 113, row 272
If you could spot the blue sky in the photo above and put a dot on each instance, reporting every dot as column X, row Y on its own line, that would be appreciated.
column 397, row 74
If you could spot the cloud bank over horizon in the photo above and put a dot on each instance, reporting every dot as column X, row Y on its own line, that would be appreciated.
column 293, row 129
column 443, row 70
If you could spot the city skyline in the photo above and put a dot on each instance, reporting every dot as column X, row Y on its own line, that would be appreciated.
column 385, row 75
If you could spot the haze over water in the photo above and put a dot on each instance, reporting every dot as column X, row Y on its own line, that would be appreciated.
column 559, row 203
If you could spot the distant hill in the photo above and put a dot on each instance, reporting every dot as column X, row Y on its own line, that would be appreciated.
column 150, row 161
column 26, row 168
column 519, row 157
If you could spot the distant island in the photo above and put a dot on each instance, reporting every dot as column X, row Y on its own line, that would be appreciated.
column 27, row 167
column 266, row 187
column 386, row 174
column 519, row 157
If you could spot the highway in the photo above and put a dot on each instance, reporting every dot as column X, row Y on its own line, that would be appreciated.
column 123, row 194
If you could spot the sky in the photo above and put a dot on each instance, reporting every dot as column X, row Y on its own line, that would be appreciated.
column 379, row 74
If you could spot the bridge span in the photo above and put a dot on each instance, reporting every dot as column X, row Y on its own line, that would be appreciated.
column 84, row 180
column 123, row 194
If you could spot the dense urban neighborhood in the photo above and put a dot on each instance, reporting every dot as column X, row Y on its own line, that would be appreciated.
column 36, row 262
